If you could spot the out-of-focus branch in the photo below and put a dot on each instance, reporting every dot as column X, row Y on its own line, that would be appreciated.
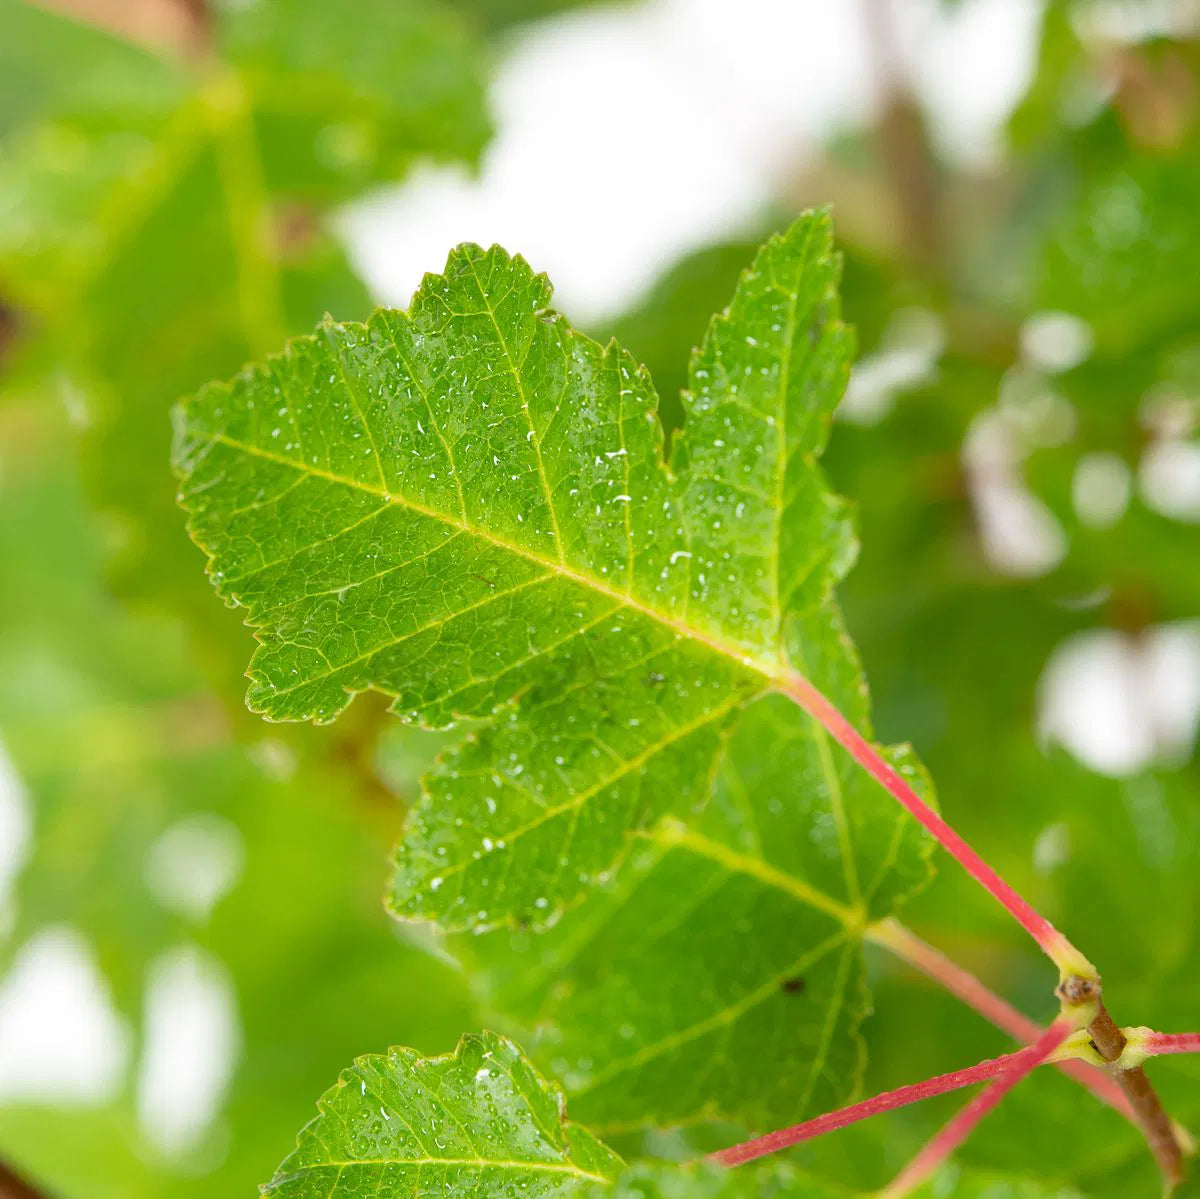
column 12, row 1186
column 10, row 323
column 1155, row 94
column 356, row 745
column 905, row 151
column 182, row 27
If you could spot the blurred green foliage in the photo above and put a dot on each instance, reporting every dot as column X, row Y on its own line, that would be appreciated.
column 163, row 220
column 160, row 222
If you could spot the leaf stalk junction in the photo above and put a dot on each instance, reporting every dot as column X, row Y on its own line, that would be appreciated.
column 1084, row 1038
column 1078, row 990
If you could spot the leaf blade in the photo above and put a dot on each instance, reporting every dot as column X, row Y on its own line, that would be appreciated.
column 484, row 526
column 551, row 548
column 480, row 1115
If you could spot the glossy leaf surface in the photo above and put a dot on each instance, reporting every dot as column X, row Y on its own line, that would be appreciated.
column 467, row 503
column 466, row 507
column 481, row 1119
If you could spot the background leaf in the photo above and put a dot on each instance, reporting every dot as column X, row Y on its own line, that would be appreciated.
column 315, row 969
column 199, row 208
column 480, row 1118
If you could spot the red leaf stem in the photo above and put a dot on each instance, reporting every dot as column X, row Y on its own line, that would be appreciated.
column 1053, row 943
column 782, row 1138
column 953, row 1134
column 1172, row 1042
column 962, row 984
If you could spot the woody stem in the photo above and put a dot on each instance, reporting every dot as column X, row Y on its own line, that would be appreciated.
column 1148, row 1111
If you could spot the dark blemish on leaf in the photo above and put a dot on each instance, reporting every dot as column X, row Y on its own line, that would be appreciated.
column 482, row 579
column 793, row 986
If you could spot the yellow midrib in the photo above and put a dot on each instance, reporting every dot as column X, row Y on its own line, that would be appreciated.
column 675, row 834
column 774, row 673
column 479, row 1162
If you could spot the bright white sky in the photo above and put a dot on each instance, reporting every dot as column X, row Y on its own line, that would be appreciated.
column 629, row 135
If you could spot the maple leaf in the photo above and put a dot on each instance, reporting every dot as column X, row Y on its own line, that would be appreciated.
column 483, row 1118
column 480, row 1118
column 721, row 944
column 466, row 506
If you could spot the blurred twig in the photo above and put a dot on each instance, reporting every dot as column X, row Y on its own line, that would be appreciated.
column 10, row 323
column 12, row 1186
column 356, row 747
column 903, row 146
column 176, row 26
column 1155, row 95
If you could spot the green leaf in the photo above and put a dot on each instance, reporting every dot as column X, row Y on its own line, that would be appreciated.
column 466, row 507
column 367, row 94
column 467, row 503
column 699, row 1180
column 722, row 945
column 480, row 1118
column 1115, row 259
column 51, row 65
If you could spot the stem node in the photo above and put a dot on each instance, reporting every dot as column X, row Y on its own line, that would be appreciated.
column 1079, row 996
